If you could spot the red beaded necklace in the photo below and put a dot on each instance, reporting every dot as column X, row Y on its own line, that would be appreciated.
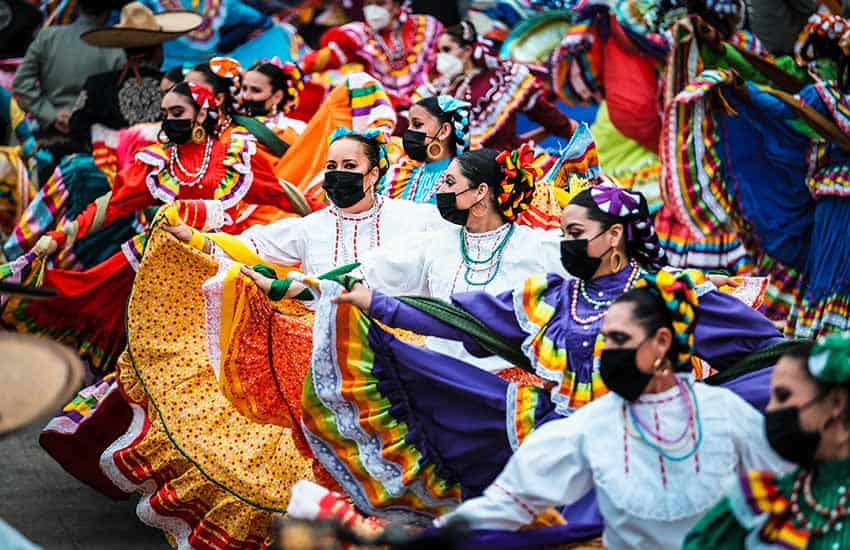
column 374, row 214
column 803, row 483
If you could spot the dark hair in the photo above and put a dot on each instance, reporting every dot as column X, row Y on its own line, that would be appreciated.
column 219, row 85
column 464, row 33
column 431, row 105
column 182, row 88
column 651, row 313
column 635, row 247
column 280, row 80
column 174, row 75
column 372, row 150
column 801, row 351
column 480, row 166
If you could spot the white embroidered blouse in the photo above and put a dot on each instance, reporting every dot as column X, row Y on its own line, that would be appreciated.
column 647, row 501
column 433, row 265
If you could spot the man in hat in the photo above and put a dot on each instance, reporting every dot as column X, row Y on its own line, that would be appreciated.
column 57, row 64
column 130, row 95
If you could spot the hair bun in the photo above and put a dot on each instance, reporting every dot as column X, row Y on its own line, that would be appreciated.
column 520, row 174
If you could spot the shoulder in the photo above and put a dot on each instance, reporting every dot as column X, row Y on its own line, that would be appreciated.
column 421, row 212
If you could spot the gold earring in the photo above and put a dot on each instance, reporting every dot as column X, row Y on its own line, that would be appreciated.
column 439, row 149
column 617, row 261
column 198, row 134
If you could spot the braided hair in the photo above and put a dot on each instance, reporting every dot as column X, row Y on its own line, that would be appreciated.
column 509, row 174
column 667, row 300
column 448, row 110
column 283, row 76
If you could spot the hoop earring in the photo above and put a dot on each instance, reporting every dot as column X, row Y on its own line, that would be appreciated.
column 439, row 149
column 161, row 137
column 617, row 261
column 198, row 134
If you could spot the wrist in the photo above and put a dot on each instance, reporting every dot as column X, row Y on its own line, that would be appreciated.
column 197, row 240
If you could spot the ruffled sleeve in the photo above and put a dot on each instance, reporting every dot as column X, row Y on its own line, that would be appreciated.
column 717, row 530
column 399, row 268
column 339, row 46
column 549, row 469
column 282, row 243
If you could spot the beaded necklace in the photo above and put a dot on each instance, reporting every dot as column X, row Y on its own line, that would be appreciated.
column 175, row 165
column 803, row 483
column 491, row 264
column 673, row 449
column 375, row 237
column 396, row 57
column 579, row 289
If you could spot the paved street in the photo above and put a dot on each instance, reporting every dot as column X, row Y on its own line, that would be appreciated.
column 54, row 510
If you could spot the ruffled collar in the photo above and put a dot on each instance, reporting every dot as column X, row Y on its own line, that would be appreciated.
column 230, row 189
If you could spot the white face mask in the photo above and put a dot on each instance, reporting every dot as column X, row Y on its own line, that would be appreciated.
column 449, row 65
column 376, row 17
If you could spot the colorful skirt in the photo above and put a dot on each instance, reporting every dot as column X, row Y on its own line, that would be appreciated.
column 213, row 448
column 88, row 313
column 407, row 432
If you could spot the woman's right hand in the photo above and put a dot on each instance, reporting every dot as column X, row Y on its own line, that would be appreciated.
column 359, row 296
column 182, row 231
column 46, row 246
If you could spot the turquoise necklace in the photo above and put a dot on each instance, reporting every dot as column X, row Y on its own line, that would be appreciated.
column 486, row 264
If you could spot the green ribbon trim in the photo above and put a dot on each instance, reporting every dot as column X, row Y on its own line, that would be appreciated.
column 753, row 362
column 263, row 133
column 446, row 313
column 464, row 321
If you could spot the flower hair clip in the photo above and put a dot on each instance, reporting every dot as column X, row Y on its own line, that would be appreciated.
column 520, row 176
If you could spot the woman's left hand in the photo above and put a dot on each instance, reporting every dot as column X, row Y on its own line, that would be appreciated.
column 263, row 282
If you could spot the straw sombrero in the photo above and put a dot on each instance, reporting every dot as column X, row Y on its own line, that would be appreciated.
column 139, row 27
column 37, row 377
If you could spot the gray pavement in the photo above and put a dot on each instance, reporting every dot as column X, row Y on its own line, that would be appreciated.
column 56, row 511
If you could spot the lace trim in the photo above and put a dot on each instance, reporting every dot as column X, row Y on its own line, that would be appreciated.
column 327, row 381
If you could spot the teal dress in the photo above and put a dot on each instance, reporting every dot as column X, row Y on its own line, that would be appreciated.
column 413, row 181
column 757, row 513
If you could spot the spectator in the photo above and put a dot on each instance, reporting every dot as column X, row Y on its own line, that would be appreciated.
column 57, row 65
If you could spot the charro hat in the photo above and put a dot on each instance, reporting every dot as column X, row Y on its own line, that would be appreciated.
column 139, row 27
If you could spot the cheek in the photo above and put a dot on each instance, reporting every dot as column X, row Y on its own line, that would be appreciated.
column 813, row 418
column 598, row 247
column 645, row 359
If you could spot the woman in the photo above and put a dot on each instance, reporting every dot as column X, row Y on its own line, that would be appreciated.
column 271, row 89
column 395, row 46
column 482, row 195
column 437, row 133
column 208, row 177
column 357, row 221
column 807, row 422
column 498, row 91
column 796, row 228
column 435, row 451
column 658, row 449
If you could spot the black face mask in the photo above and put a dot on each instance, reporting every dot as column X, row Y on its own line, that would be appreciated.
column 619, row 372
column 447, row 205
column 414, row 145
column 576, row 260
column 177, row 130
column 787, row 438
column 345, row 189
column 255, row 108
